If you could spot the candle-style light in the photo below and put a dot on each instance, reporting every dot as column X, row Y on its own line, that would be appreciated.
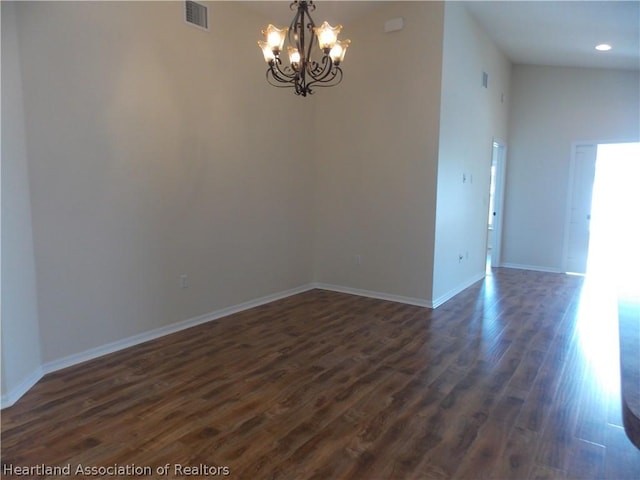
column 304, row 71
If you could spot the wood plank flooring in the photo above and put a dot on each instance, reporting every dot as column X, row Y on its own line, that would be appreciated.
column 500, row 382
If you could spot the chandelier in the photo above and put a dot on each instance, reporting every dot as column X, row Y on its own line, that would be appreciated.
column 305, row 70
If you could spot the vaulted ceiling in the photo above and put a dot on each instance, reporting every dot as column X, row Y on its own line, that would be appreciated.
column 564, row 33
column 559, row 33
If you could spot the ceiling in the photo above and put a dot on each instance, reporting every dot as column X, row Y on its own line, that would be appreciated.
column 564, row 33
column 559, row 33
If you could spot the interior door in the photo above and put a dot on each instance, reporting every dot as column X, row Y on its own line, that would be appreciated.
column 579, row 217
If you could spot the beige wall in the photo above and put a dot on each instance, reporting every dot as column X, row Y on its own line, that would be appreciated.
column 20, row 332
column 471, row 118
column 377, row 145
column 552, row 108
column 155, row 150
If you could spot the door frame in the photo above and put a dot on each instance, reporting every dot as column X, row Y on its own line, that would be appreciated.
column 499, row 147
column 572, row 167
column 569, row 201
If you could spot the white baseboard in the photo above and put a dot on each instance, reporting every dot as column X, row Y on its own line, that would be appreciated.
column 14, row 395
column 535, row 268
column 379, row 295
column 167, row 330
column 455, row 291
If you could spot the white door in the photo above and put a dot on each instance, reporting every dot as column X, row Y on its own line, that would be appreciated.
column 579, row 216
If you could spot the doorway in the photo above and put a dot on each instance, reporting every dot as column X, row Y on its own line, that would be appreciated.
column 603, row 224
column 614, row 246
column 496, row 198
column 583, row 170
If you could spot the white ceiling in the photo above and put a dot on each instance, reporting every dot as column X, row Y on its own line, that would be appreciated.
column 560, row 33
column 564, row 33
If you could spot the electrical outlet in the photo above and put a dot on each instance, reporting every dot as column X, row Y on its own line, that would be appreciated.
column 358, row 259
column 184, row 281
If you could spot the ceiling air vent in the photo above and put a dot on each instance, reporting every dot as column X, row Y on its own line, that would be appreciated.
column 196, row 14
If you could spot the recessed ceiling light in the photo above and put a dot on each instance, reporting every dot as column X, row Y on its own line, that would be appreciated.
column 603, row 47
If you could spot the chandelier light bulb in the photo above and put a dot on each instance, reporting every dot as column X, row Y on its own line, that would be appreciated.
column 275, row 37
column 327, row 35
column 266, row 51
column 294, row 56
column 338, row 51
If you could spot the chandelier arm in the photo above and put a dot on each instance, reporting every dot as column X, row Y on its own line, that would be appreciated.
column 271, row 80
column 310, row 26
column 278, row 81
column 332, row 82
column 286, row 74
column 293, row 26
column 301, row 83
column 279, row 84
column 280, row 78
column 321, row 70
column 300, row 36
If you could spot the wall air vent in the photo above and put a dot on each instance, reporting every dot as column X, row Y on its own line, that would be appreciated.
column 196, row 14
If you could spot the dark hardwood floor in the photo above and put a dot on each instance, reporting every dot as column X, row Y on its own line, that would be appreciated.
column 517, row 377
